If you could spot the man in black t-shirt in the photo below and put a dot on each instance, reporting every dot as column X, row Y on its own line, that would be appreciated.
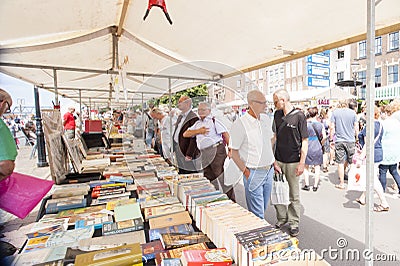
column 291, row 145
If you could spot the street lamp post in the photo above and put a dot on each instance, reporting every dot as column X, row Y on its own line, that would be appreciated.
column 354, row 68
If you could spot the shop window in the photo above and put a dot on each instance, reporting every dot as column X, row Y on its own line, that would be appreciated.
column 393, row 74
column 362, row 49
column 394, row 41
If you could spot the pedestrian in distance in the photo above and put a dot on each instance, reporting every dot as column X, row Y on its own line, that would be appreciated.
column 69, row 123
column 316, row 140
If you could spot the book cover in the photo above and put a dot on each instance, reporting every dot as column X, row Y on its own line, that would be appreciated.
column 216, row 257
column 69, row 193
column 171, row 262
column 35, row 244
column 123, row 227
column 65, row 205
column 124, row 179
column 158, row 211
column 155, row 234
column 30, row 258
column 96, row 219
column 69, row 237
column 177, row 252
column 145, row 180
column 159, row 202
column 191, row 198
column 153, row 195
column 158, row 184
column 106, row 198
column 59, row 262
column 112, row 185
column 170, row 220
column 98, row 201
column 106, row 192
column 103, row 242
column 79, row 197
column 113, row 203
column 149, row 250
column 47, row 227
column 177, row 240
column 73, row 212
column 122, row 255
column 199, row 203
column 261, row 251
column 127, row 212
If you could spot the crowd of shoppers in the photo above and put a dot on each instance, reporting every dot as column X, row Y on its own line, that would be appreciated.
column 261, row 141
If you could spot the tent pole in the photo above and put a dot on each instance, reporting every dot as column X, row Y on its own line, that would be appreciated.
column 110, row 95
column 90, row 108
column 98, row 71
column 39, row 132
column 80, row 110
column 170, row 119
column 55, row 87
column 143, row 123
column 370, row 129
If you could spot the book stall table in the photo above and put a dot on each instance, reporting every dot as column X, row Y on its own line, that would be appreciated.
column 141, row 212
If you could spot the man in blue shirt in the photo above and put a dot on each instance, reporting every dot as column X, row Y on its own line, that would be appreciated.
column 344, row 124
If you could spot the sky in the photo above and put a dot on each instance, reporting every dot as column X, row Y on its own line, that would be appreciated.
column 22, row 92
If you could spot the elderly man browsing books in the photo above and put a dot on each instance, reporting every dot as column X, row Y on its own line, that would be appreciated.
column 251, row 146
column 211, row 137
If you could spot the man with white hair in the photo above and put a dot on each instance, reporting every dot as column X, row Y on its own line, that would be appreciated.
column 211, row 137
column 251, row 147
column 8, row 151
column 69, row 123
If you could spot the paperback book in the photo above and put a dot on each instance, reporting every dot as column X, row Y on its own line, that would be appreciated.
column 177, row 240
column 123, row 227
column 155, row 234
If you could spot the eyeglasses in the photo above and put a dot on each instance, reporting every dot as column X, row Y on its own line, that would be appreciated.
column 260, row 102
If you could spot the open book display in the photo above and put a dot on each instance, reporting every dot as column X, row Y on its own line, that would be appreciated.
column 148, row 220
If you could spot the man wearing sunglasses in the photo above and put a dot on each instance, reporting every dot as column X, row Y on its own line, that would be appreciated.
column 8, row 149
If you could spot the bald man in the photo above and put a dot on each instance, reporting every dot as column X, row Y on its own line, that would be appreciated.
column 251, row 146
column 185, row 149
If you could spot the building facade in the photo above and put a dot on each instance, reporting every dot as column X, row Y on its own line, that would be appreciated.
column 321, row 70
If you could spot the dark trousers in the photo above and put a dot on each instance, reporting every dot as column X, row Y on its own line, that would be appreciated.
column 185, row 166
column 392, row 170
column 213, row 159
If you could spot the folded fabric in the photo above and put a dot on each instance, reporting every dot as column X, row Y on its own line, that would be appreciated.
column 19, row 193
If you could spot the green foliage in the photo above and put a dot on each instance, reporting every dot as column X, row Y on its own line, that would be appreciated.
column 198, row 94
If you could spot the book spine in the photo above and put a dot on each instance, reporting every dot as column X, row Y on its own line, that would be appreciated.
column 98, row 193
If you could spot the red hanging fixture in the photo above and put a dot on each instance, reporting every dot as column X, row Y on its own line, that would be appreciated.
column 161, row 4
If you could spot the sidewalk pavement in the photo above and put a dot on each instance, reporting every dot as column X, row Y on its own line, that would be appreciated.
column 12, row 228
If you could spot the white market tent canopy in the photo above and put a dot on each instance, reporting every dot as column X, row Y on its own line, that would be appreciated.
column 77, row 44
